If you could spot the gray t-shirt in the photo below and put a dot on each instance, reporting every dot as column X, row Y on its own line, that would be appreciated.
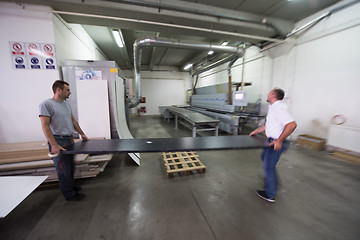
column 60, row 116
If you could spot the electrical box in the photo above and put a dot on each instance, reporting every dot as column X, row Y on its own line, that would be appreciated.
column 240, row 98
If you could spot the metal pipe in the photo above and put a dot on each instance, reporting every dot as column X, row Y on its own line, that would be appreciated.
column 200, row 29
column 216, row 64
column 242, row 74
column 318, row 19
column 170, row 43
column 313, row 22
column 229, row 76
column 162, row 6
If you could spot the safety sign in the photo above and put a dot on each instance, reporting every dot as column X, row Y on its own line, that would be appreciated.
column 34, row 55
column 17, row 51
column 29, row 55
column 49, row 55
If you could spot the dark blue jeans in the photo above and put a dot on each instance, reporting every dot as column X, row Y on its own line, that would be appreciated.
column 64, row 164
column 270, row 158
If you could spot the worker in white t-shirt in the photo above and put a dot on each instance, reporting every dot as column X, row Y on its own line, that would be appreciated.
column 278, row 127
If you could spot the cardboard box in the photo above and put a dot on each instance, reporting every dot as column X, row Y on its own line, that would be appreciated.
column 311, row 142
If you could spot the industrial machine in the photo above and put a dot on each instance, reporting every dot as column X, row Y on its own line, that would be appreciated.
column 98, row 99
column 232, row 116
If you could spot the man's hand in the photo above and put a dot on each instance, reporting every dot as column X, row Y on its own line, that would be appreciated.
column 255, row 132
column 84, row 137
column 277, row 144
column 258, row 130
column 56, row 149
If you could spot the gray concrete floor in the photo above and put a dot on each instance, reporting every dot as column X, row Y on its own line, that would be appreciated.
column 319, row 198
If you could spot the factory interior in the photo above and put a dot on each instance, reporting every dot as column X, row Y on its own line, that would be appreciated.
column 168, row 93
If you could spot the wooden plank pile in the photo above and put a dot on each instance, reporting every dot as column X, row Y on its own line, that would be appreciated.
column 182, row 162
column 347, row 156
column 31, row 159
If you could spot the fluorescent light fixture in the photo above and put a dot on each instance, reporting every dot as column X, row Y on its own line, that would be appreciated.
column 118, row 38
column 224, row 43
column 188, row 66
column 211, row 52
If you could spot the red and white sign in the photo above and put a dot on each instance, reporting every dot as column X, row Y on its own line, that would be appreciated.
column 31, row 55
column 33, row 49
column 17, row 48
column 48, row 49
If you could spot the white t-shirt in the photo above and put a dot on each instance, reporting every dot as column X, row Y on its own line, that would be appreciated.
column 278, row 116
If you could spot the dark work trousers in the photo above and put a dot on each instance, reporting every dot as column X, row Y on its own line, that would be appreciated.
column 64, row 164
column 270, row 158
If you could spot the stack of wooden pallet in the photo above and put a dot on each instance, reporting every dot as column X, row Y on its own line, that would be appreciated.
column 182, row 162
column 31, row 159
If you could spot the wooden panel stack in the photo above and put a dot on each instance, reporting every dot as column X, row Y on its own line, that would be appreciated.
column 31, row 159
column 182, row 162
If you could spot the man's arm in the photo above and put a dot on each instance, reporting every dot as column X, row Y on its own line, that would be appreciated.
column 78, row 129
column 45, row 124
column 288, row 129
column 258, row 130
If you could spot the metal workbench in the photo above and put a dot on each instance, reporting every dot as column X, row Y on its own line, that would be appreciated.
column 198, row 121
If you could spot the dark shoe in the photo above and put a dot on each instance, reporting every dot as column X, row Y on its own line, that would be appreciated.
column 264, row 196
column 76, row 197
column 77, row 188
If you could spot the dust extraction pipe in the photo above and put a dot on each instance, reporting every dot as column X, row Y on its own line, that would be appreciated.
column 169, row 43
column 230, row 81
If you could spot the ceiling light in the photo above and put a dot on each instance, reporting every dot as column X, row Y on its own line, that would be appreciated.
column 118, row 38
column 224, row 43
column 211, row 52
column 188, row 66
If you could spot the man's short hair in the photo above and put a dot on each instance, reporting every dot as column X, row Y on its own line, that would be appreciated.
column 59, row 84
column 279, row 93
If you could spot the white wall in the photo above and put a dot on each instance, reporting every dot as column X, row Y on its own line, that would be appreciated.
column 161, row 88
column 161, row 92
column 73, row 42
column 23, row 90
column 319, row 72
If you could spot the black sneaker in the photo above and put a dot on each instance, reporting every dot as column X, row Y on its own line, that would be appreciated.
column 77, row 188
column 264, row 196
column 76, row 197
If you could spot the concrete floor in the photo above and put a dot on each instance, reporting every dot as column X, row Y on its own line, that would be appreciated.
column 319, row 199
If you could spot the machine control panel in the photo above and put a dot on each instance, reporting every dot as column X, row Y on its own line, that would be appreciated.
column 240, row 98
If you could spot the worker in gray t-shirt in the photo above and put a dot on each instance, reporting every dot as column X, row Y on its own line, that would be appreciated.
column 58, row 125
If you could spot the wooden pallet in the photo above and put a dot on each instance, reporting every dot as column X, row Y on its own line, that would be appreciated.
column 182, row 162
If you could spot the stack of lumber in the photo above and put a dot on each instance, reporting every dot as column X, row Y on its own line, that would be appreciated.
column 31, row 159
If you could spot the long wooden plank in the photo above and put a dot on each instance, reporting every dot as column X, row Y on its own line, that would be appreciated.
column 15, row 147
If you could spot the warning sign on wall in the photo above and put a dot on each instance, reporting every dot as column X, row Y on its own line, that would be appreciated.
column 28, row 55
column 34, row 55
column 18, row 55
column 49, row 55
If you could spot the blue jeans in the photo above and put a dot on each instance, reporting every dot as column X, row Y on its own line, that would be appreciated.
column 64, row 164
column 270, row 158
